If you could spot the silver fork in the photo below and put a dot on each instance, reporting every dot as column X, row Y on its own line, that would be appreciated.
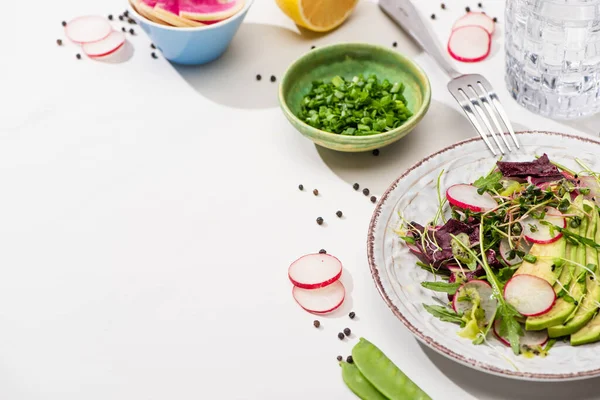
column 473, row 92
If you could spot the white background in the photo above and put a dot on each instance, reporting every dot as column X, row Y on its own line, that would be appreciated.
column 149, row 212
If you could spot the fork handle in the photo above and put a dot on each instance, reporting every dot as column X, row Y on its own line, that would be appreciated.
column 404, row 13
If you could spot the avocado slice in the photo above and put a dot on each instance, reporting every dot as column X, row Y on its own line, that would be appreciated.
column 590, row 333
column 544, row 266
column 587, row 307
column 564, row 306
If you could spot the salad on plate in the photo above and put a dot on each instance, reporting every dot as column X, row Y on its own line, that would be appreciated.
column 516, row 252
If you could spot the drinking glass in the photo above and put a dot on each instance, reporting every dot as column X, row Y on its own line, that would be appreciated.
column 553, row 56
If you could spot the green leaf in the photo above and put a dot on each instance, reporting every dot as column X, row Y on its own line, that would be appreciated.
column 444, row 287
column 530, row 258
column 444, row 314
column 490, row 182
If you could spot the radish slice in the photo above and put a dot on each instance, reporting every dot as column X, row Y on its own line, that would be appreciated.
column 320, row 301
column 536, row 232
column 529, row 338
column 88, row 29
column 477, row 19
column 529, row 294
column 466, row 197
column 106, row 46
column 488, row 303
column 314, row 271
column 469, row 44
column 505, row 251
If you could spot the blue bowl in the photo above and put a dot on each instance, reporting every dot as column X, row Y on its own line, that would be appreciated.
column 192, row 46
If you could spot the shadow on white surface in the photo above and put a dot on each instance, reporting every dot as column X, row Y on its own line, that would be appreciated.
column 377, row 173
column 589, row 125
column 491, row 387
column 268, row 50
column 120, row 56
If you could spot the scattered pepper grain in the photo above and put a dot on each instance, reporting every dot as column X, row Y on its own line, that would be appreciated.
column 320, row 221
column 316, row 192
column 356, row 186
column 316, row 323
column 366, row 191
column 341, row 336
column 339, row 214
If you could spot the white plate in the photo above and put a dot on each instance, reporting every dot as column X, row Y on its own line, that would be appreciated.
column 398, row 279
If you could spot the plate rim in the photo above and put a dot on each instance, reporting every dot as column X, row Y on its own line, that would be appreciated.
column 427, row 340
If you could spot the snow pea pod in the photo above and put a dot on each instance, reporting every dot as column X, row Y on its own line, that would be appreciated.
column 358, row 384
column 383, row 374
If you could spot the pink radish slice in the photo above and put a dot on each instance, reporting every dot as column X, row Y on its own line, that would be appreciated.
column 529, row 294
column 529, row 338
column 469, row 44
column 505, row 251
column 322, row 300
column 88, row 29
column 466, row 197
column 477, row 19
column 488, row 303
column 106, row 46
column 414, row 249
column 536, row 232
column 314, row 271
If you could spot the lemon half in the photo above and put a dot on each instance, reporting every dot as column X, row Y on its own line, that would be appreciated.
column 318, row 15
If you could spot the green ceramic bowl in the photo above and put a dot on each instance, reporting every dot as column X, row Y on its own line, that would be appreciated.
column 348, row 60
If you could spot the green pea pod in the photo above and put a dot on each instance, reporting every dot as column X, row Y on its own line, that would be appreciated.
column 358, row 384
column 383, row 374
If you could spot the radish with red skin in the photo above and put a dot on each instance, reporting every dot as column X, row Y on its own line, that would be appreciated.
column 466, row 197
column 477, row 19
column 322, row 300
column 469, row 44
column 106, row 46
column 488, row 303
column 529, row 338
column 314, row 271
column 536, row 232
column 529, row 295
column 91, row 28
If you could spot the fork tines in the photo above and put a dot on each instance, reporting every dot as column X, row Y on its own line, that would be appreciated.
column 481, row 105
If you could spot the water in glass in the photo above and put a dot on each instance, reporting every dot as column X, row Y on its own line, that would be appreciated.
column 553, row 56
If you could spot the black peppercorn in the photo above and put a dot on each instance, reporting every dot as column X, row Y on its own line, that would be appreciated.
column 64, row 23
column 126, row 13
column 154, row 55
column 479, row 5
column 316, row 323
column 347, row 331
column 349, row 360
column 366, row 191
column 316, row 192
column 301, row 187
column 132, row 31
column 273, row 79
column 376, row 152
column 339, row 214
column 322, row 251
column 356, row 186
column 120, row 18
column 352, row 315
column 320, row 221
column 443, row 6
column 432, row 16
column 373, row 199
column 131, row 21
column 313, row 47
column 495, row 19
column 78, row 56
column 123, row 29
column 258, row 77
column 339, row 358
column 110, row 17
column 395, row 44
column 59, row 42
column 341, row 336
column 468, row 9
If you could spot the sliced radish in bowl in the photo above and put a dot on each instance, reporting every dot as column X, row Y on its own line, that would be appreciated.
column 322, row 300
column 466, row 197
column 488, row 303
column 529, row 295
column 106, row 46
column 469, row 44
column 87, row 29
column 529, row 338
column 477, row 19
column 314, row 271
column 505, row 250
column 536, row 232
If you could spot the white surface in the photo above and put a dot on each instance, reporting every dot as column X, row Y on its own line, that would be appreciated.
column 149, row 213
column 415, row 197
